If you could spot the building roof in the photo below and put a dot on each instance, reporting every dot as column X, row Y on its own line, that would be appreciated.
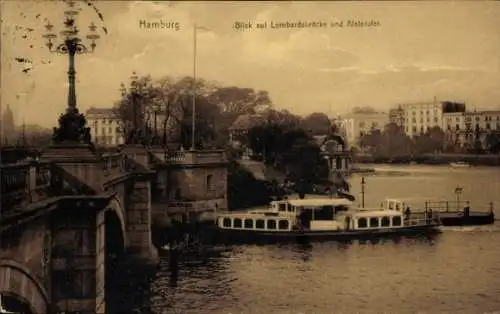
column 330, row 137
column 247, row 121
column 103, row 111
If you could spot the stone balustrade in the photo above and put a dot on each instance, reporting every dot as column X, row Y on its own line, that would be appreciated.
column 23, row 183
column 28, row 181
column 197, row 157
column 114, row 163
column 195, row 206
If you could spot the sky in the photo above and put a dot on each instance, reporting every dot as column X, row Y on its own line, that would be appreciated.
column 414, row 51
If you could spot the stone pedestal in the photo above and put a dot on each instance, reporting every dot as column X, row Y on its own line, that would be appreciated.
column 138, row 154
column 79, row 161
column 140, row 245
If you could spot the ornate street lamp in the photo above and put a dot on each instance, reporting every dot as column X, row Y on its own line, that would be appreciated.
column 72, row 123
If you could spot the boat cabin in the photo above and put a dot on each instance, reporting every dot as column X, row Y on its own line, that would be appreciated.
column 311, row 213
column 374, row 219
column 319, row 215
column 394, row 204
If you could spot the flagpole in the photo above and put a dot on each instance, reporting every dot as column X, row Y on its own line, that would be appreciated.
column 193, row 129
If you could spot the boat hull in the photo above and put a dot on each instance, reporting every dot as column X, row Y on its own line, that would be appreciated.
column 226, row 236
column 459, row 219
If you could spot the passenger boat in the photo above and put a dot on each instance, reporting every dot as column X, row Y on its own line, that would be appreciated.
column 319, row 218
column 450, row 213
column 460, row 164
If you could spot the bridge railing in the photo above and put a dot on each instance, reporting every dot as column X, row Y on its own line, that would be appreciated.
column 197, row 157
column 114, row 163
column 23, row 183
column 192, row 206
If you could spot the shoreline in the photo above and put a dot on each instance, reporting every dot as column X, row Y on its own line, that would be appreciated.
column 473, row 160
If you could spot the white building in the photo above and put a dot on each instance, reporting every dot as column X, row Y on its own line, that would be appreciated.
column 104, row 127
column 355, row 125
column 420, row 117
column 463, row 128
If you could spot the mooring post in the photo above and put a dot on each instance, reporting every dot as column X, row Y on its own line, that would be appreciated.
column 363, row 192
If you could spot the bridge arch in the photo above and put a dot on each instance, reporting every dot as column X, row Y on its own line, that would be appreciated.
column 117, row 207
column 17, row 280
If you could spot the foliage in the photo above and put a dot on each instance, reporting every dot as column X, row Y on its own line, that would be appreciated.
column 161, row 110
column 393, row 144
column 290, row 150
column 316, row 123
column 239, row 100
column 431, row 141
column 492, row 142
column 244, row 190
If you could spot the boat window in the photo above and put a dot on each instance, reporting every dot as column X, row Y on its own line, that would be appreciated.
column 362, row 223
column 283, row 224
column 248, row 223
column 226, row 222
column 282, row 207
column 237, row 223
column 390, row 205
column 396, row 221
column 260, row 224
column 385, row 221
column 374, row 222
column 271, row 224
column 397, row 207
column 324, row 213
column 291, row 208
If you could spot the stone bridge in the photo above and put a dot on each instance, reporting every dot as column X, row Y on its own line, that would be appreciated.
column 69, row 214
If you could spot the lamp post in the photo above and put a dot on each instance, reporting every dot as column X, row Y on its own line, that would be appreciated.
column 363, row 192
column 72, row 123
column 193, row 118
column 131, row 136
column 458, row 191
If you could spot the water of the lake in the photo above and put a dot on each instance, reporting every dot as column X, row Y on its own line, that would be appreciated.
column 458, row 272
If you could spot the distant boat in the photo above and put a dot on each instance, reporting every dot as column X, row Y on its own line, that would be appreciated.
column 460, row 164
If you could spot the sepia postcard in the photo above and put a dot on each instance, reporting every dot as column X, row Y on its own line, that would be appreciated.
column 249, row 156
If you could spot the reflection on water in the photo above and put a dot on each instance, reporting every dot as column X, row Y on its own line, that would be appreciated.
column 455, row 272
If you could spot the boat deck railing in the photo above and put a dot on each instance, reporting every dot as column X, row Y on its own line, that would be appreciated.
column 452, row 206
column 421, row 219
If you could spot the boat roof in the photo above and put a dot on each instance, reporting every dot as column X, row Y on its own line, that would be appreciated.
column 316, row 202
column 377, row 213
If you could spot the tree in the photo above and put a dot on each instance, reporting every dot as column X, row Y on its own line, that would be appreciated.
column 316, row 123
column 244, row 190
column 239, row 100
column 391, row 143
column 305, row 165
column 493, row 142
column 166, row 105
column 282, row 118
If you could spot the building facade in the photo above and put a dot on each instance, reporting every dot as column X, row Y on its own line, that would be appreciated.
column 420, row 117
column 356, row 125
column 464, row 129
column 104, row 127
